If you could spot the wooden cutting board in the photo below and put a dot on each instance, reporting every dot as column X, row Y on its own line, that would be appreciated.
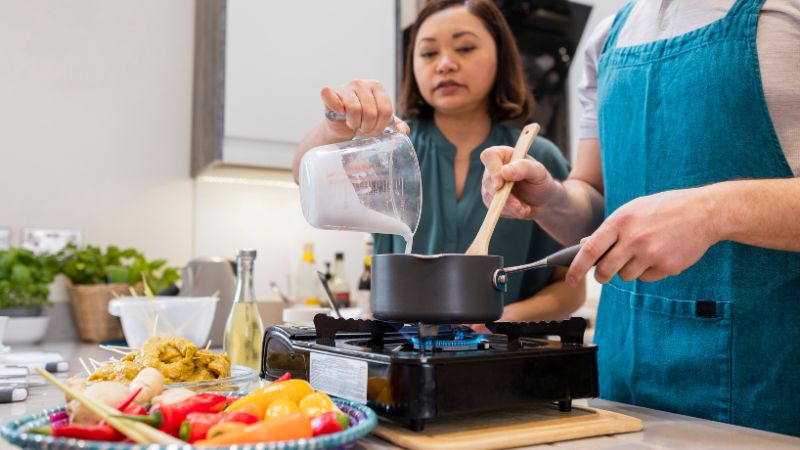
column 539, row 424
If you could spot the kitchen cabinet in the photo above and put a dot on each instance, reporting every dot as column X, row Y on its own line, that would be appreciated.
column 260, row 65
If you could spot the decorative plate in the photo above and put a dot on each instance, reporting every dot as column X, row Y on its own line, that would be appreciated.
column 362, row 421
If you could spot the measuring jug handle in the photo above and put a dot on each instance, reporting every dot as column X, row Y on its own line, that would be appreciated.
column 338, row 117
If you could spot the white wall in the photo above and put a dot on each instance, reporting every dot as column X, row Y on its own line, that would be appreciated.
column 95, row 119
column 261, row 209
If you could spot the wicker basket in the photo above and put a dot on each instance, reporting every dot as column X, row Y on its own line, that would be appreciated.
column 90, row 309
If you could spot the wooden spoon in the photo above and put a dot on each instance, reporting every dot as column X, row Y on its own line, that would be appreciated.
column 480, row 246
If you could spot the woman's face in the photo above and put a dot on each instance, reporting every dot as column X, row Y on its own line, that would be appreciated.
column 455, row 61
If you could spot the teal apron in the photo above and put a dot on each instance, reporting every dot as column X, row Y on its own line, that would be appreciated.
column 722, row 339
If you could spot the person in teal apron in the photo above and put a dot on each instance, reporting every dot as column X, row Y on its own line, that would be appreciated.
column 463, row 84
column 699, row 243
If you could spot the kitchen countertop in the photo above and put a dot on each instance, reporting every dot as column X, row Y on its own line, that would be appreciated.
column 661, row 429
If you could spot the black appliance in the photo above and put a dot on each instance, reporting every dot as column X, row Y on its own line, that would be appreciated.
column 413, row 373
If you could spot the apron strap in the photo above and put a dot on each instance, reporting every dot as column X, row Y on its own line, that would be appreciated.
column 745, row 7
column 616, row 26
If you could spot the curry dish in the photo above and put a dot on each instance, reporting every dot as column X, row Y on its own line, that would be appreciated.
column 178, row 359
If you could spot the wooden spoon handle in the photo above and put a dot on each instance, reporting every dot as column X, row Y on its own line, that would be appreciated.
column 480, row 246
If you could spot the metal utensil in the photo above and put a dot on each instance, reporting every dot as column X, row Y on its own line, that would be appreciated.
column 561, row 258
column 277, row 290
column 328, row 292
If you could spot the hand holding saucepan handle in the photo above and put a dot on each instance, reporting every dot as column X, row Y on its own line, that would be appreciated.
column 561, row 258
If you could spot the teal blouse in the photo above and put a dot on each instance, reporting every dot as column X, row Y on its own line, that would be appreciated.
column 448, row 225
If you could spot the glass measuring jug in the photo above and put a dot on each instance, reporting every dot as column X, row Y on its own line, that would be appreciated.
column 370, row 184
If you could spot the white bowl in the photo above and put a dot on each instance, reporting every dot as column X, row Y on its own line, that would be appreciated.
column 303, row 315
column 186, row 317
column 25, row 330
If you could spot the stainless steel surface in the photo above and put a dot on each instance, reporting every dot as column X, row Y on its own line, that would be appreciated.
column 662, row 430
column 204, row 276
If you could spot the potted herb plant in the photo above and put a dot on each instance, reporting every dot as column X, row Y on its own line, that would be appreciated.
column 96, row 276
column 24, row 289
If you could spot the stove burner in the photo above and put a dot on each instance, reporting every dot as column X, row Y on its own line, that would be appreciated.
column 447, row 338
column 457, row 340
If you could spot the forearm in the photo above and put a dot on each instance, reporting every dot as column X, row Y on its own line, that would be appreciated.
column 763, row 213
column 554, row 302
column 318, row 135
column 576, row 210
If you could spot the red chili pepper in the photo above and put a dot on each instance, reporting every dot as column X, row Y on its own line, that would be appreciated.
column 99, row 432
column 102, row 432
column 196, row 425
column 136, row 410
column 283, row 377
column 128, row 400
column 329, row 422
column 168, row 418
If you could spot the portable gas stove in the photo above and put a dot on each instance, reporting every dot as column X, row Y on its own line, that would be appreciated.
column 415, row 373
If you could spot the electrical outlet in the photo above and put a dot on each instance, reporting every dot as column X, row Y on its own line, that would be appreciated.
column 41, row 241
column 5, row 238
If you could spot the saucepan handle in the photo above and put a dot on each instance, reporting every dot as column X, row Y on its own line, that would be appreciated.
column 561, row 258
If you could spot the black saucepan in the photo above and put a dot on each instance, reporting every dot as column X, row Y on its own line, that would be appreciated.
column 450, row 288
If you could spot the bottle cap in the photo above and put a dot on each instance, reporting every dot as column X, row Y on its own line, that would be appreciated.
column 246, row 253
column 339, row 255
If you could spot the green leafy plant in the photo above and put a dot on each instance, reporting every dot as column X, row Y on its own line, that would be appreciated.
column 25, row 278
column 92, row 265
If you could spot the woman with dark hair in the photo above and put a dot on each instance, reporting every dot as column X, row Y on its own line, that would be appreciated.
column 463, row 84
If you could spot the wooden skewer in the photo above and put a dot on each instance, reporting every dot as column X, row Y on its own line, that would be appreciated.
column 95, row 364
column 139, row 432
column 85, row 367
column 147, row 291
column 155, row 326
column 112, row 349
column 480, row 246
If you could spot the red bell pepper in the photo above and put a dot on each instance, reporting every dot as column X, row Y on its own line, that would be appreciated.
column 196, row 425
column 102, row 432
column 329, row 422
column 168, row 418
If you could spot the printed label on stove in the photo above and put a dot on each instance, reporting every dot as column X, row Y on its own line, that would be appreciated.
column 342, row 377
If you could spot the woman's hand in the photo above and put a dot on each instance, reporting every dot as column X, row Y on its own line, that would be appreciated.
column 649, row 238
column 534, row 187
column 366, row 106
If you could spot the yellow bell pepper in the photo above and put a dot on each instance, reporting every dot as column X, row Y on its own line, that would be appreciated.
column 281, row 407
column 316, row 403
column 291, row 389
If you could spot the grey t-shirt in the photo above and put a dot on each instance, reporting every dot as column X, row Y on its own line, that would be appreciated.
column 777, row 43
